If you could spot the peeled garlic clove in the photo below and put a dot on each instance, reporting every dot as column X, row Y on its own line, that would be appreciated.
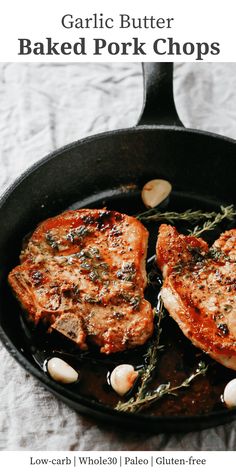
column 155, row 191
column 229, row 395
column 122, row 378
column 60, row 371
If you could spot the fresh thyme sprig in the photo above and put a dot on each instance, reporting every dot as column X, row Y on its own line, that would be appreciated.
column 171, row 216
column 152, row 353
column 189, row 215
column 151, row 360
column 226, row 213
column 137, row 404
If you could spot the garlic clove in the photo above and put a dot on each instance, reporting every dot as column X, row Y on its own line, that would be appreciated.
column 229, row 395
column 155, row 191
column 60, row 371
column 122, row 378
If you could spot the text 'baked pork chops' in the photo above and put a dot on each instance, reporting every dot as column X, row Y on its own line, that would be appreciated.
column 199, row 290
column 83, row 273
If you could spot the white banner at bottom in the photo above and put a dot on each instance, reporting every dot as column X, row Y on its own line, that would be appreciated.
column 115, row 460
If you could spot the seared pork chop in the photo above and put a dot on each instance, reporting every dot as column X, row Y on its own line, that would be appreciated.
column 199, row 290
column 83, row 274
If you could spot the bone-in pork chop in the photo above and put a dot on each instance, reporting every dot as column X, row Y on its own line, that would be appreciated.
column 199, row 290
column 83, row 274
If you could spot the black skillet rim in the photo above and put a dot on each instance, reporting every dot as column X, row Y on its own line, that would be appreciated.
column 158, row 424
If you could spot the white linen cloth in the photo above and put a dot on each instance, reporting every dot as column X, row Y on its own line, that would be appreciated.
column 42, row 107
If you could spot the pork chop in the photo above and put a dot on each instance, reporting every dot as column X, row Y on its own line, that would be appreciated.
column 199, row 290
column 83, row 274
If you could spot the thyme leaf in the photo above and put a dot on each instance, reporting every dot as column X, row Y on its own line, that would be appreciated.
column 137, row 404
column 171, row 216
column 189, row 215
column 226, row 213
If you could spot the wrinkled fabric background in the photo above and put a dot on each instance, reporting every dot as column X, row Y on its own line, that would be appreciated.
column 42, row 107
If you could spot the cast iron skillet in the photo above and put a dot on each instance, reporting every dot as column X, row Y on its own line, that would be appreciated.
column 96, row 171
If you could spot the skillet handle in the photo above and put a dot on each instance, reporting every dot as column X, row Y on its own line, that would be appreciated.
column 158, row 104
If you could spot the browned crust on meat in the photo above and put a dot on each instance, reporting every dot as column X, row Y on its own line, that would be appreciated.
column 83, row 274
column 199, row 290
